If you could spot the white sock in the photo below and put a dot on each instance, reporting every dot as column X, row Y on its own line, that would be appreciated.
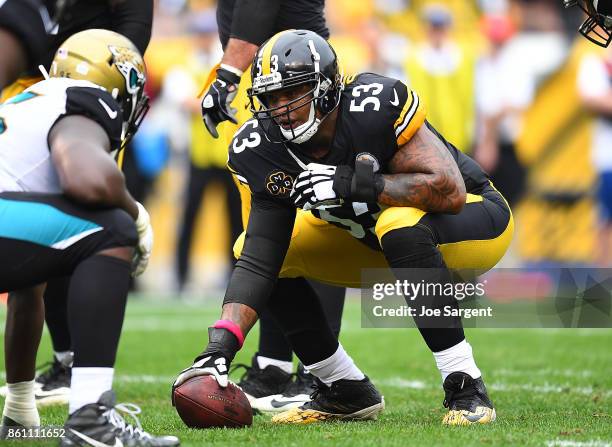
column 87, row 385
column 458, row 358
column 64, row 357
column 338, row 366
column 20, row 404
column 282, row 364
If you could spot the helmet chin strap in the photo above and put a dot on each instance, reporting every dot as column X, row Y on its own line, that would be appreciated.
column 303, row 132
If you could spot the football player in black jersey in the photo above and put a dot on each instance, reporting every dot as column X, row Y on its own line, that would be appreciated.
column 23, row 37
column 66, row 212
column 384, row 189
column 598, row 26
column 243, row 26
column 32, row 30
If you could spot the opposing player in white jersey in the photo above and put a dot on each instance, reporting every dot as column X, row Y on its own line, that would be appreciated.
column 65, row 211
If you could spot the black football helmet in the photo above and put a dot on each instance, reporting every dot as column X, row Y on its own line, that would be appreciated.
column 287, row 60
column 598, row 26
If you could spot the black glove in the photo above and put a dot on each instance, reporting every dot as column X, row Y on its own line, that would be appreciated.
column 216, row 106
column 361, row 184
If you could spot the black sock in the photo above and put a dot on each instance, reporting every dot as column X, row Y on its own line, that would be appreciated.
column 96, row 307
column 272, row 340
column 56, row 313
column 414, row 248
column 302, row 320
column 332, row 300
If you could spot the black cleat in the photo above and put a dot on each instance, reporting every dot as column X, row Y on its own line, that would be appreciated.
column 467, row 401
column 344, row 400
column 100, row 424
column 296, row 394
column 53, row 384
column 257, row 382
column 6, row 424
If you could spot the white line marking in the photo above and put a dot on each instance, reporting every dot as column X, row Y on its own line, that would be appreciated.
column 568, row 443
column 546, row 388
column 402, row 383
column 543, row 372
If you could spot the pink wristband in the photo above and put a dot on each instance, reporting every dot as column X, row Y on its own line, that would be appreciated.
column 233, row 328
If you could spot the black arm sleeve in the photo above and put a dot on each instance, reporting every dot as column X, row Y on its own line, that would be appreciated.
column 23, row 19
column 253, row 20
column 267, row 239
column 134, row 20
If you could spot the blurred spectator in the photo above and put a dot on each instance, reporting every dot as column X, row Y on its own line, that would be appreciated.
column 146, row 155
column 595, row 89
column 387, row 50
column 443, row 74
column 502, row 93
column 208, row 156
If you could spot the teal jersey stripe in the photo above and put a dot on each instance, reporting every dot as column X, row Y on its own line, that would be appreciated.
column 42, row 224
column 21, row 97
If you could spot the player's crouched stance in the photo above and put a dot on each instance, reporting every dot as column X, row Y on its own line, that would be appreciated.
column 65, row 211
column 378, row 187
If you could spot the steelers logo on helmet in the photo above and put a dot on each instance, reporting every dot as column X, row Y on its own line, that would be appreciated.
column 299, row 62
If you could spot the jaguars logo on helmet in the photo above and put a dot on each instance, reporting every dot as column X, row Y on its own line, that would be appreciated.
column 290, row 59
column 598, row 26
column 111, row 61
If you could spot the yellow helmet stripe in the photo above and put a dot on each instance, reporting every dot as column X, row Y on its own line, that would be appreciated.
column 267, row 52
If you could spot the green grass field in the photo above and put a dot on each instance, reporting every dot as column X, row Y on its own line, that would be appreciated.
column 551, row 387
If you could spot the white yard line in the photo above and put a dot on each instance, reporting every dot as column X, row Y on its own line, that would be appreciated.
column 402, row 383
column 546, row 388
column 568, row 443
column 543, row 372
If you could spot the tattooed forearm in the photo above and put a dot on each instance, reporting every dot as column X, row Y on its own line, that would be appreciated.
column 424, row 175
column 241, row 314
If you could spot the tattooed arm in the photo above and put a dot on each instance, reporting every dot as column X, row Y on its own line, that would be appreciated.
column 424, row 175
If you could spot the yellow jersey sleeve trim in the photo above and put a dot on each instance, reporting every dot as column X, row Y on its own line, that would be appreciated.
column 407, row 106
column 411, row 118
column 237, row 177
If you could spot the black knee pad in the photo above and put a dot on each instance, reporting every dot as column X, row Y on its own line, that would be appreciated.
column 119, row 227
column 413, row 255
column 411, row 247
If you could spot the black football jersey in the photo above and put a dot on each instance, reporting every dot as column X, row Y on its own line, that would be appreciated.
column 256, row 22
column 131, row 18
column 376, row 115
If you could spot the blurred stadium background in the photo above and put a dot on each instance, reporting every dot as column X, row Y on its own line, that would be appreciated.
column 502, row 79
column 508, row 81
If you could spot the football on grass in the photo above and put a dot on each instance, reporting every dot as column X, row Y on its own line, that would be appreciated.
column 202, row 403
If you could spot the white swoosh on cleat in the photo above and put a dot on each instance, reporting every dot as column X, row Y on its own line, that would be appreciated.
column 95, row 443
